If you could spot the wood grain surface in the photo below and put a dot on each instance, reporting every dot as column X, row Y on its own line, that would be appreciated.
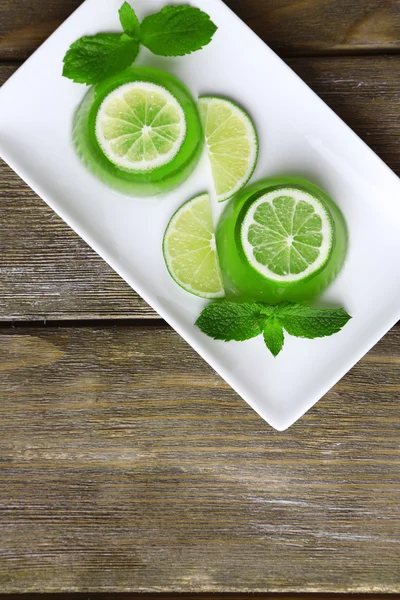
column 291, row 27
column 48, row 272
column 195, row 596
column 126, row 463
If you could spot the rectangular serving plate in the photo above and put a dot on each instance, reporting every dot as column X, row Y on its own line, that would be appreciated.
column 298, row 135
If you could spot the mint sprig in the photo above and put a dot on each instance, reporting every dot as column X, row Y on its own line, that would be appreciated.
column 174, row 31
column 177, row 30
column 240, row 321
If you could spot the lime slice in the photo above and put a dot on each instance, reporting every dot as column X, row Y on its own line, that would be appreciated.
column 140, row 126
column 232, row 144
column 287, row 234
column 190, row 250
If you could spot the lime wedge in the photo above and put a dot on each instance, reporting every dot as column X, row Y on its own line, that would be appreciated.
column 232, row 144
column 287, row 234
column 140, row 126
column 190, row 250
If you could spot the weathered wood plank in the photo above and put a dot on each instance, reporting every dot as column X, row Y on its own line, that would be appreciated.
column 26, row 24
column 196, row 596
column 293, row 27
column 47, row 272
column 127, row 464
column 290, row 27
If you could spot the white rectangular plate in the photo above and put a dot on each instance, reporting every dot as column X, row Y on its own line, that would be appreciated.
column 298, row 134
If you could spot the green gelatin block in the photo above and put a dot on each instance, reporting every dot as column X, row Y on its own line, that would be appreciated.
column 139, row 131
column 281, row 239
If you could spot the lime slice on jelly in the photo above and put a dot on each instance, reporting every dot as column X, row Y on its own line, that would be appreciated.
column 287, row 235
column 232, row 144
column 140, row 126
column 190, row 250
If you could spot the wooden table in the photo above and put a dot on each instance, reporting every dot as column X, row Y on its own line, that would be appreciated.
column 126, row 463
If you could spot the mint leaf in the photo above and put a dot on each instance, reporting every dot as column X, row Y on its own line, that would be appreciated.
column 307, row 322
column 94, row 58
column 231, row 321
column 240, row 321
column 129, row 21
column 273, row 335
column 177, row 30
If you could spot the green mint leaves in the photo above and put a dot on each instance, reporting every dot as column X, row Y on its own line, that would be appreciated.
column 129, row 21
column 274, row 336
column 174, row 31
column 307, row 322
column 231, row 321
column 94, row 58
column 242, row 321
column 177, row 30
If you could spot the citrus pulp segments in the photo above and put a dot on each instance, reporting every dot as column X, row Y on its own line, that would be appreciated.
column 190, row 251
column 140, row 126
column 287, row 235
column 232, row 144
